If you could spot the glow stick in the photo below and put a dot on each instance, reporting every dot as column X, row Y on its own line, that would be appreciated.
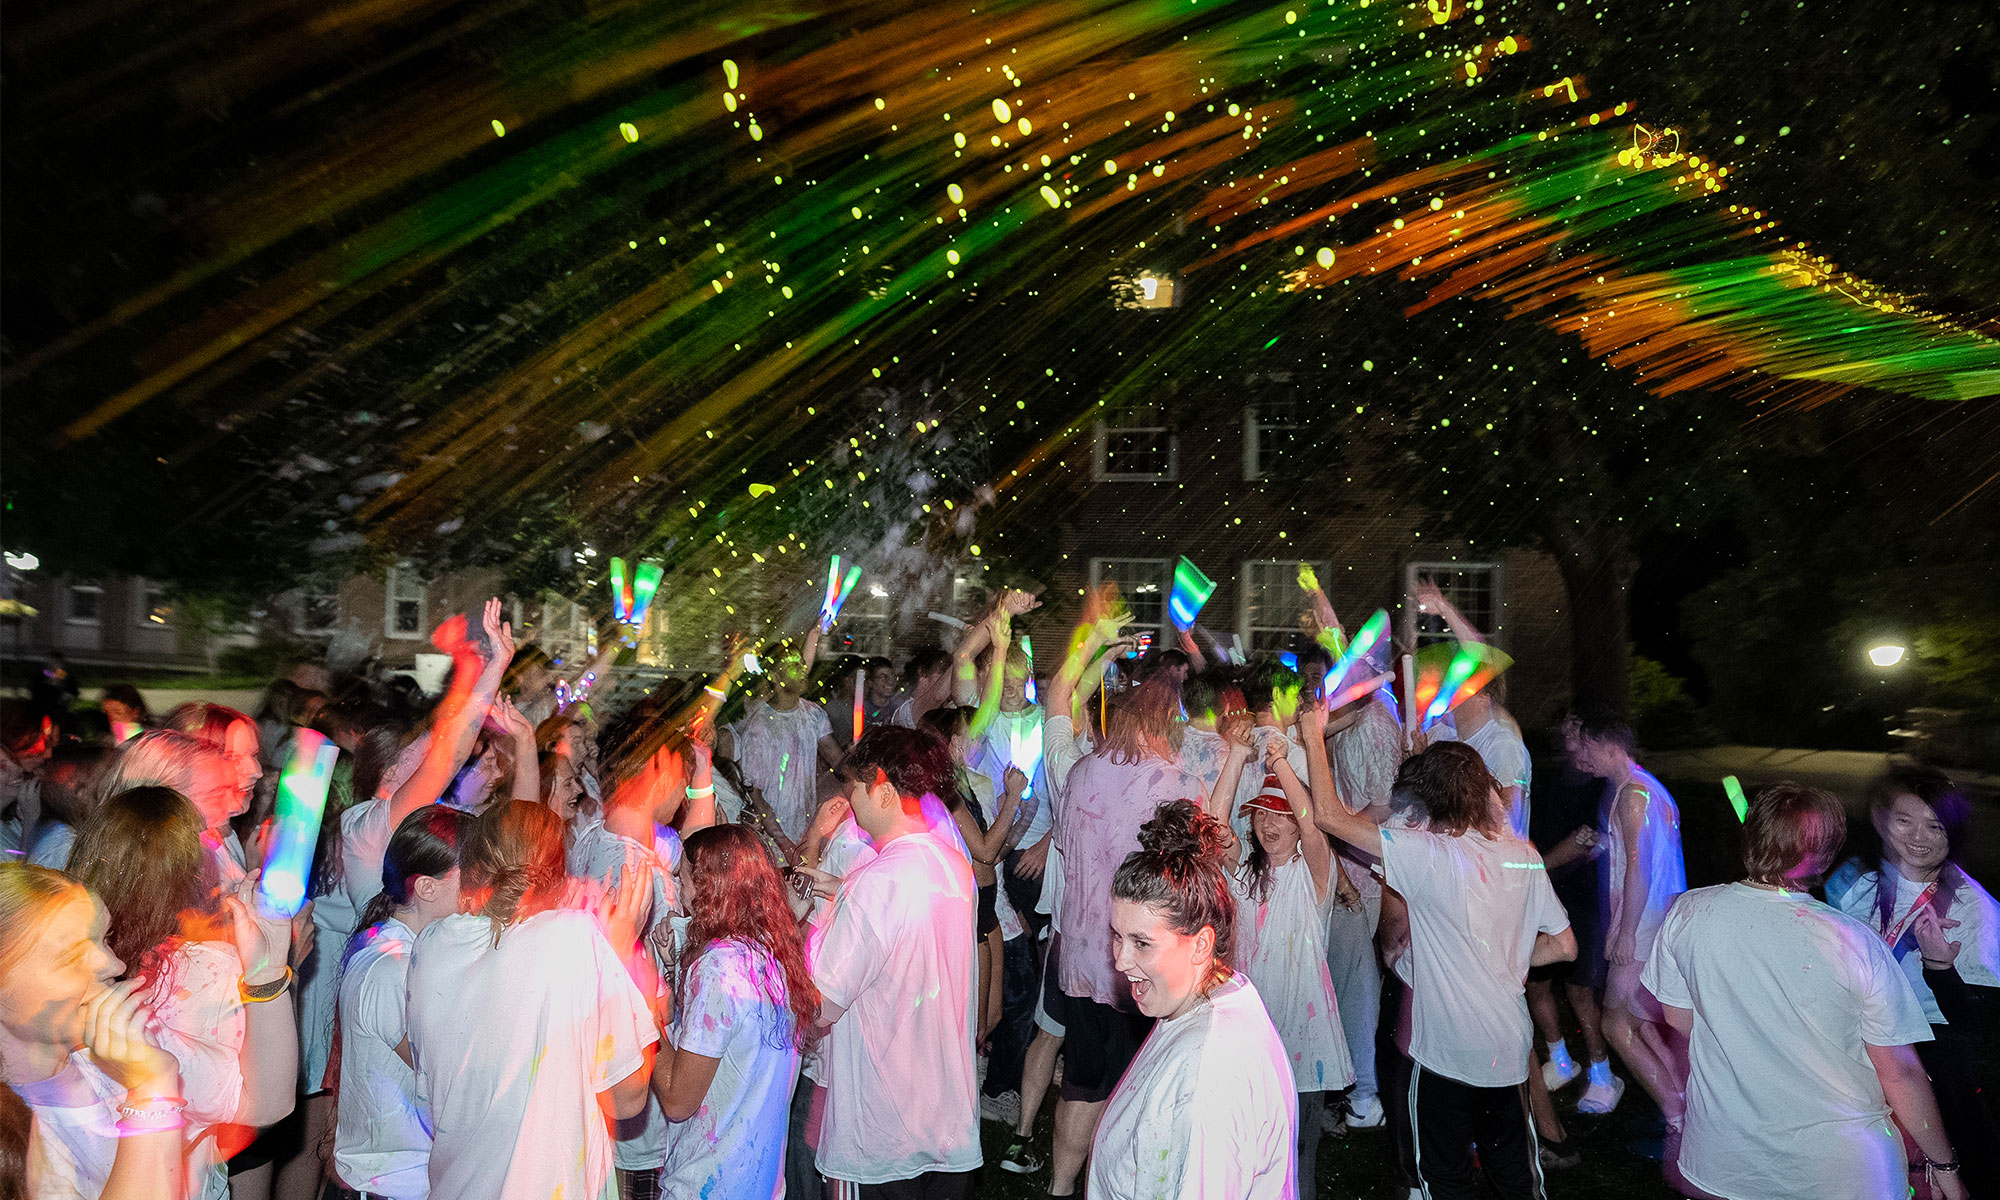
column 1028, row 648
column 1737, row 800
column 1290, row 660
column 1364, row 640
column 1471, row 667
column 281, row 890
column 1029, row 741
column 948, row 619
column 1191, row 590
column 1356, row 691
column 860, row 683
column 647, row 582
column 837, row 591
column 621, row 600
column 1409, row 700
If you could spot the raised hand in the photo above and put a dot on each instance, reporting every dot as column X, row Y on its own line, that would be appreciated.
column 261, row 942
column 505, row 718
column 1235, row 727
column 499, row 633
column 1312, row 721
column 115, row 1033
column 1938, row 953
column 450, row 636
column 1429, row 599
column 1014, row 602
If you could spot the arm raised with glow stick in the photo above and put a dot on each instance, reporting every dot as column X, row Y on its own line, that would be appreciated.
column 473, row 686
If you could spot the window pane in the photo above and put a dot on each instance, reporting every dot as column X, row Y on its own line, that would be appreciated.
column 409, row 616
column 1277, row 429
column 1137, row 451
column 1272, row 603
column 85, row 603
column 1471, row 590
column 1142, row 581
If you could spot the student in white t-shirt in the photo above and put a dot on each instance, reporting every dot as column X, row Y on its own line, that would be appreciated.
column 529, row 1031
column 1800, row 1027
column 894, row 966
column 781, row 742
column 745, row 1008
column 75, row 1046
column 382, row 1139
column 1481, row 912
column 1207, row 1107
column 1645, row 873
column 1915, row 883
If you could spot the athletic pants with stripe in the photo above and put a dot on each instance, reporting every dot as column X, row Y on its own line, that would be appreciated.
column 1449, row 1118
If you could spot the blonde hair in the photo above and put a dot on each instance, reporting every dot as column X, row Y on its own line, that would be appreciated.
column 158, row 758
column 29, row 896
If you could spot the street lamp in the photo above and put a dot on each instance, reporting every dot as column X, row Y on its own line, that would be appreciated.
column 1886, row 655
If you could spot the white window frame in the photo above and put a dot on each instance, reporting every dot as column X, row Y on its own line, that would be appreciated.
column 1253, row 430
column 142, row 611
column 1164, row 579
column 1414, row 570
column 70, row 591
column 403, row 574
column 1246, row 587
column 299, row 611
column 1099, row 445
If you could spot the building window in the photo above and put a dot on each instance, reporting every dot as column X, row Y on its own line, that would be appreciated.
column 403, row 609
column 1272, row 603
column 867, row 622
column 1136, row 445
column 563, row 635
column 153, row 611
column 1144, row 583
column 85, row 604
column 318, row 612
column 1270, row 427
column 1472, row 588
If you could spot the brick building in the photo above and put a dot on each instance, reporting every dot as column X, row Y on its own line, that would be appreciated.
column 1149, row 488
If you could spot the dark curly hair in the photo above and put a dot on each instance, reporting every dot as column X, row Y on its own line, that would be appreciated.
column 1179, row 869
column 1451, row 782
column 916, row 762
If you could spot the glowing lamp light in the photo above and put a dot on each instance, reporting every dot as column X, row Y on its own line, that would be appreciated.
column 281, row 890
column 1888, row 654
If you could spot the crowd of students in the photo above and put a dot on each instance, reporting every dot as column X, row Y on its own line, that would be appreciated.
column 731, row 942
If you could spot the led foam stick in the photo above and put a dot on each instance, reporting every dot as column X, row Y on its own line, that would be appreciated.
column 621, row 599
column 1409, row 700
column 837, row 590
column 301, row 800
column 1364, row 640
column 1471, row 669
column 1028, row 648
column 646, row 582
column 1024, row 753
column 1356, row 691
column 1191, row 590
column 1737, row 800
column 860, row 683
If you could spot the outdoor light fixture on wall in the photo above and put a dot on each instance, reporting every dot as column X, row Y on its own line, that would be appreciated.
column 1147, row 289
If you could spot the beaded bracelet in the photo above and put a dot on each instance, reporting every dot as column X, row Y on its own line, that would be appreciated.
column 156, row 1115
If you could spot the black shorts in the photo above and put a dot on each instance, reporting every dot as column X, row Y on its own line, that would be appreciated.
column 1099, row 1042
column 989, row 909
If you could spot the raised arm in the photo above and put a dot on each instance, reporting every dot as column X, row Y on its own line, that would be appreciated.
column 460, row 713
column 1330, row 811
column 1313, row 845
column 999, row 636
column 1235, row 730
column 990, row 846
column 965, row 660
column 1430, row 599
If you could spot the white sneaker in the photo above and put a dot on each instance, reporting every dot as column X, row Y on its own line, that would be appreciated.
column 1005, row 1107
column 1365, row 1114
column 1600, row 1098
column 1558, row 1072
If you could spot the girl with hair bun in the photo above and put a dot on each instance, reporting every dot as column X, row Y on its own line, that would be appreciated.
column 381, row 1144
column 529, row 1024
column 1207, row 1108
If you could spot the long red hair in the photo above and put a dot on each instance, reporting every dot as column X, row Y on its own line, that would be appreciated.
column 739, row 897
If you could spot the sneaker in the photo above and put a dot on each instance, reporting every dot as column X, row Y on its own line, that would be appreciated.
column 1560, row 1069
column 1558, row 1156
column 1365, row 1114
column 1602, row 1095
column 1005, row 1107
column 1020, row 1158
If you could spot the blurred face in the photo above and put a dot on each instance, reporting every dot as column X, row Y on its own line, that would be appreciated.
column 117, row 711
column 881, row 685
column 1166, row 967
column 789, row 674
column 1912, row 837
column 218, row 792
column 1314, row 674
column 875, row 805
column 1014, row 684
column 64, row 963
column 1285, row 704
column 564, row 787
column 1598, row 758
column 1276, row 833
column 240, row 744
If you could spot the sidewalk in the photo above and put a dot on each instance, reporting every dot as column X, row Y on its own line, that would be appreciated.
column 1843, row 771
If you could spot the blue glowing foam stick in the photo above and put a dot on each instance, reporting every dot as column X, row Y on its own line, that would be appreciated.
column 301, row 801
column 1365, row 638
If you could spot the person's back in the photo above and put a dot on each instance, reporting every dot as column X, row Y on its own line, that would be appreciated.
column 897, row 955
column 512, row 1043
column 1787, row 994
